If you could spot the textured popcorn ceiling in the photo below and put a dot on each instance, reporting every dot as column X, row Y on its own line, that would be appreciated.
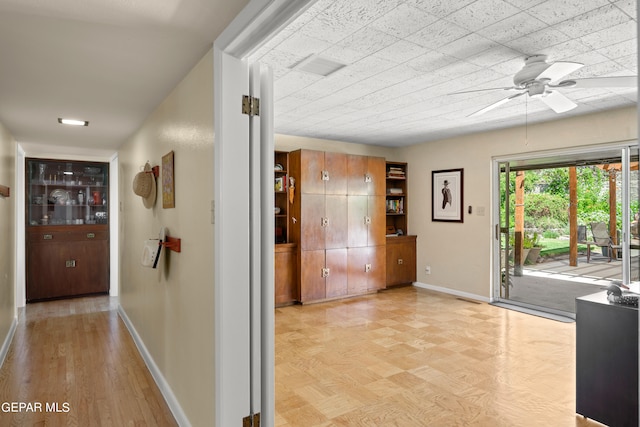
column 113, row 61
column 404, row 58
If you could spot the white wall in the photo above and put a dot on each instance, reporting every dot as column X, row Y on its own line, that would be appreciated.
column 292, row 143
column 460, row 254
column 8, row 149
column 171, row 308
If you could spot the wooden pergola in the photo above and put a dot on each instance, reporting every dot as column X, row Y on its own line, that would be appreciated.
column 611, row 168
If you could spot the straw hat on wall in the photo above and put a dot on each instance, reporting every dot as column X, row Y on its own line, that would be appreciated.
column 144, row 185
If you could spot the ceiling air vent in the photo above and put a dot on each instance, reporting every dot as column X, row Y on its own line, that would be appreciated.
column 318, row 65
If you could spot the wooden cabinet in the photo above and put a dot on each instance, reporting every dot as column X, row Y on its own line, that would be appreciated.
column 366, row 269
column 401, row 247
column 323, row 274
column 64, row 261
column 401, row 260
column 606, row 361
column 285, row 281
column 338, row 221
column 66, row 192
column 285, row 253
column 396, row 197
column 67, row 230
column 281, row 199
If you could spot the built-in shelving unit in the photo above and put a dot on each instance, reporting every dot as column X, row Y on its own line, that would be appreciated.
column 281, row 189
column 401, row 247
column 396, row 206
column 67, row 233
column 285, row 252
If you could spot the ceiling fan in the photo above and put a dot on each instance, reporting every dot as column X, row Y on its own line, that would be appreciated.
column 540, row 80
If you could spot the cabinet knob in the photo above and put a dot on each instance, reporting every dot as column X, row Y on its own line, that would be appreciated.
column 47, row 236
column 324, row 222
column 367, row 177
column 70, row 263
column 325, row 272
column 325, row 175
column 400, row 261
column 367, row 220
column 91, row 235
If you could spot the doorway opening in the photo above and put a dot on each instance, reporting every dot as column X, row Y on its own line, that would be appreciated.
column 567, row 226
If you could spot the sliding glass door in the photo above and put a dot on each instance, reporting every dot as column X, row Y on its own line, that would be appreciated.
column 565, row 226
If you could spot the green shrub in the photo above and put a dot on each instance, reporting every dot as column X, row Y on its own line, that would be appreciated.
column 543, row 211
column 550, row 234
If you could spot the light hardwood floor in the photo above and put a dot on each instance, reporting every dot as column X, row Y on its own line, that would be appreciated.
column 404, row 357
column 411, row 357
column 78, row 352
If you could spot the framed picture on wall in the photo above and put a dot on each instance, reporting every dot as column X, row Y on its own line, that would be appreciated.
column 447, row 195
column 168, row 185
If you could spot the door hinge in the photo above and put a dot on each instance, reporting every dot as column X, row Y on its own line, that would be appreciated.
column 250, row 105
column 252, row 420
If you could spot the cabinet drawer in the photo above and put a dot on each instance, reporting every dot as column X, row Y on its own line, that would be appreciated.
column 47, row 236
column 88, row 235
column 68, row 236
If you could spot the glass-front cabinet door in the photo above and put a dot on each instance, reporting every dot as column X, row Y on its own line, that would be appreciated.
column 61, row 192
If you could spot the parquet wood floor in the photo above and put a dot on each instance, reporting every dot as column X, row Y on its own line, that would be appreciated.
column 78, row 355
column 412, row 357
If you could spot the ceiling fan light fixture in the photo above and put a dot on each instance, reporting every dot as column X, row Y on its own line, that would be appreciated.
column 73, row 122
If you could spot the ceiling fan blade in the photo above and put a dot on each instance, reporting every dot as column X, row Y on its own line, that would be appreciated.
column 616, row 81
column 559, row 69
column 558, row 102
column 495, row 104
column 483, row 90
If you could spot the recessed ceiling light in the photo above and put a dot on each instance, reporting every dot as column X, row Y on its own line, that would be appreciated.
column 73, row 122
column 318, row 65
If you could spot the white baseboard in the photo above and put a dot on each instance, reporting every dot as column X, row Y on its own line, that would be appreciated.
column 162, row 384
column 7, row 341
column 450, row 291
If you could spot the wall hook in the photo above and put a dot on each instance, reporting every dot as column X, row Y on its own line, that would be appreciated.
column 172, row 243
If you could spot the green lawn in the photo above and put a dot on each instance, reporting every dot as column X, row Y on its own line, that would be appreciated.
column 557, row 247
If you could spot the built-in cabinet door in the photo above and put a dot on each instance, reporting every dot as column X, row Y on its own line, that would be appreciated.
column 285, row 271
column 377, row 277
column 335, row 165
column 358, row 223
column 358, row 169
column 47, row 275
column 366, row 175
column 401, row 260
column 377, row 226
column 336, row 280
column 336, row 221
column 90, row 271
column 357, row 260
column 312, row 221
column 377, row 172
column 367, row 221
column 312, row 280
column 367, row 269
column 311, row 169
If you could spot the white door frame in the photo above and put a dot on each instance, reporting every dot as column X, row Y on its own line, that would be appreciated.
column 567, row 152
column 258, row 21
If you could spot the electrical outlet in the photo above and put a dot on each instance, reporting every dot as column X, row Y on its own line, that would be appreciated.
column 427, row 269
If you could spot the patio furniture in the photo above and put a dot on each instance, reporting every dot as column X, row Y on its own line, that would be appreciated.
column 601, row 238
